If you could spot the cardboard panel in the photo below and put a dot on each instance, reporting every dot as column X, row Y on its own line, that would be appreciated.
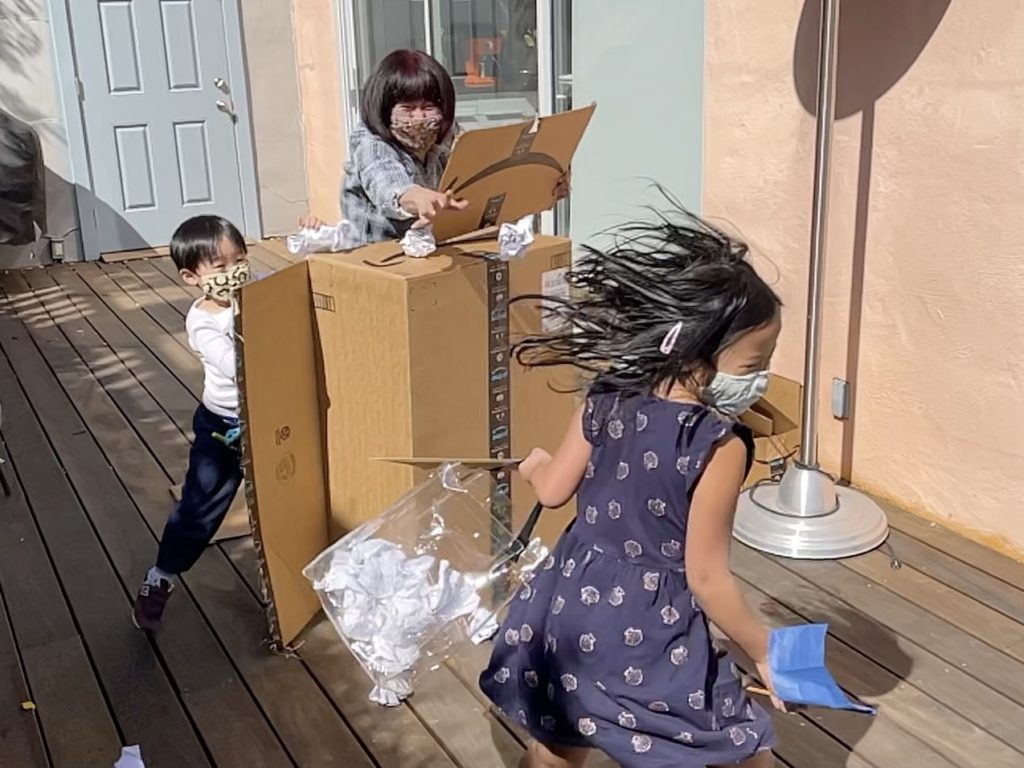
column 448, row 361
column 429, row 463
column 282, row 441
column 362, row 323
column 510, row 171
column 541, row 405
column 775, row 420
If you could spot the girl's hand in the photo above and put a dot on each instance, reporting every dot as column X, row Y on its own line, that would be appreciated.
column 425, row 203
column 310, row 222
column 765, row 673
column 563, row 186
column 527, row 467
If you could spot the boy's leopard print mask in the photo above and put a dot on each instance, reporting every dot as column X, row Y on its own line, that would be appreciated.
column 221, row 286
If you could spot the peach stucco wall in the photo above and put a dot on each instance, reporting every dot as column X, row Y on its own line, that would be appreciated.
column 320, row 65
column 924, row 305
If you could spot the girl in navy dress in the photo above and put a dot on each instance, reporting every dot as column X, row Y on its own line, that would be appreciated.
column 608, row 647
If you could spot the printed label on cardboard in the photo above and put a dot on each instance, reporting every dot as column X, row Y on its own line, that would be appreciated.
column 553, row 285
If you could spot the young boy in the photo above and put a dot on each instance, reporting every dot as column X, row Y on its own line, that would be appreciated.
column 209, row 253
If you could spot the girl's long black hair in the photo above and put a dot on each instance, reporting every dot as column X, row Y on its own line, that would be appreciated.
column 675, row 269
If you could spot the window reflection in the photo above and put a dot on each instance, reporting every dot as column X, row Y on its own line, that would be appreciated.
column 488, row 46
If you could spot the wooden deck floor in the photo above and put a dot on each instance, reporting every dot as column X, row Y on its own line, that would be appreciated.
column 98, row 387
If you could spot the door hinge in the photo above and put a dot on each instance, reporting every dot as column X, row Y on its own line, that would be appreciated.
column 80, row 89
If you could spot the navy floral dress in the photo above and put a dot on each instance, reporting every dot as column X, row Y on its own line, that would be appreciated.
column 607, row 647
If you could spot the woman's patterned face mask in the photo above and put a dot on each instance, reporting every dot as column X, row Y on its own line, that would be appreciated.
column 222, row 285
column 417, row 133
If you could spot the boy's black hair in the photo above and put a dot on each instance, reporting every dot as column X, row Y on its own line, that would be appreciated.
column 675, row 269
column 406, row 75
column 196, row 241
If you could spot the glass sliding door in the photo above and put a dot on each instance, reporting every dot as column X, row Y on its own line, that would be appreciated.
column 488, row 46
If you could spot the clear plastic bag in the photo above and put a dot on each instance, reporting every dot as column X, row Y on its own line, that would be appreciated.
column 327, row 238
column 431, row 573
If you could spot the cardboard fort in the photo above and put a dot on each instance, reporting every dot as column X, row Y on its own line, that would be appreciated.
column 775, row 421
column 345, row 358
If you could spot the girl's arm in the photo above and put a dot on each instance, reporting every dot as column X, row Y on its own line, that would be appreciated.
column 708, row 540
column 556, row 478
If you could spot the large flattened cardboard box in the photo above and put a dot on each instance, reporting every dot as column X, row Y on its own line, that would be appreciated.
column 775, row 422
column 350, row 357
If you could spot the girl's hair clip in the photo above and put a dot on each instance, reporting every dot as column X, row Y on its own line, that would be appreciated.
column 669, row 342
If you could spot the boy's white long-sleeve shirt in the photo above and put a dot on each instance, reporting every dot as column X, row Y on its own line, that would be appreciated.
column 212, row 337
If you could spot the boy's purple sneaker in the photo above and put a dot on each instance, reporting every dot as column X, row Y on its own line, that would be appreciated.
column 150, row 603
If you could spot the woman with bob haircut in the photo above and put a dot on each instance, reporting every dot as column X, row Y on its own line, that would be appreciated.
column 399, row 149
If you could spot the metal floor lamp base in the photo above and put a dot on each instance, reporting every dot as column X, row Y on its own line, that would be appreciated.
column 807, row 517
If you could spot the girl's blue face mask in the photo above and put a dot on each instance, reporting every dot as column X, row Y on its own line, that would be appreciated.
column 732, row 395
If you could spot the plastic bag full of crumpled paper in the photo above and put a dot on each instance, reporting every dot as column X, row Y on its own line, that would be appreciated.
column 405, row 589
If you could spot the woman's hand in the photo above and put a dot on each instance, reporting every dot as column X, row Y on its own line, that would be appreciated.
column 425, row 203
column 528, row 467
column 765, row 673
column 563, row 186
column 310, row 222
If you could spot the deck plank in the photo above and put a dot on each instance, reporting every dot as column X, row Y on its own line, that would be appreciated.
column 906, row 619
column 166, row 348
column 77, row 725
column 394, row 736
column 910, row 661
column 135, row 683
column 957, row 609
column 149, row 301
column 84, row 444
column 973, row 582
column 21, row 736
column 295, row 706
column 177, row 395
column 909, row 722
column 170, row 290
column 965, row 550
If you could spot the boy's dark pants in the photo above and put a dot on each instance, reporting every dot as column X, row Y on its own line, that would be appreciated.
column 214, row 474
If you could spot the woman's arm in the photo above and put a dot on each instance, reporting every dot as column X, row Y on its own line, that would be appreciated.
column 390, row 186
column 556, row 478
column 383, row 176
column 708, row 541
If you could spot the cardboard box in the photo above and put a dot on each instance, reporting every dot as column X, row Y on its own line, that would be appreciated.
column 775, row 421
column 345, row 358
column 508, row 172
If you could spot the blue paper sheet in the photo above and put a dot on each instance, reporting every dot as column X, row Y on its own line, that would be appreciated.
column 796, row 657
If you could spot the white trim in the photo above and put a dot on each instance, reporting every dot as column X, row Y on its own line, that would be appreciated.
column 245, row 137
column 349, row 55
column 428, row 27
column 545, row 45
column 74, row 125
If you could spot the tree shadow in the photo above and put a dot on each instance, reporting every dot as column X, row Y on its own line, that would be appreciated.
column 19, row 47
column 878, row 42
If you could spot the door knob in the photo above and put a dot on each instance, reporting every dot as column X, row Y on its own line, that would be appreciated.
column 226, row 107
column 221, row 85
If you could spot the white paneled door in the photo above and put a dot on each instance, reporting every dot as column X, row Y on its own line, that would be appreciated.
column 160, row 115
